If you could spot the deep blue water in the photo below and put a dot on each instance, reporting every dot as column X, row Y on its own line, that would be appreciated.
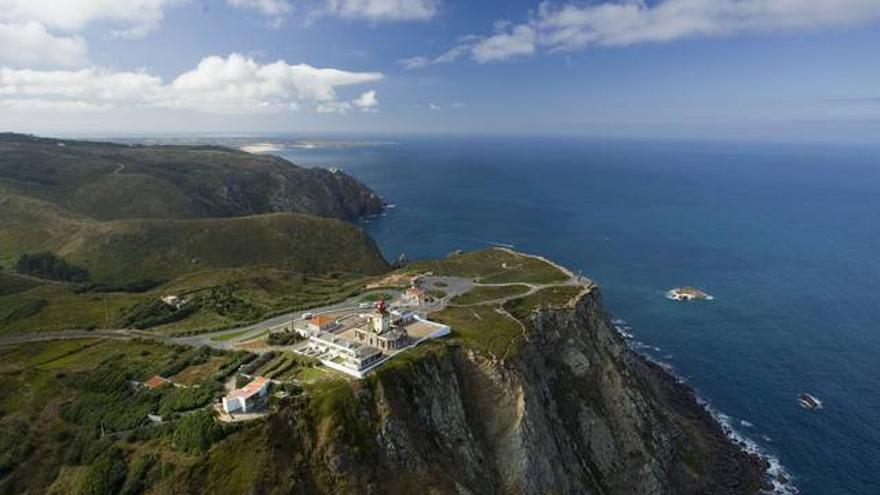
column 786, row 237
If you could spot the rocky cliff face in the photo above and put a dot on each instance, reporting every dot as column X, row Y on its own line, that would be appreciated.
column 574, row 412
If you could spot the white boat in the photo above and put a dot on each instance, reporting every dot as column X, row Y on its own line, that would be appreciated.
column 807, row 401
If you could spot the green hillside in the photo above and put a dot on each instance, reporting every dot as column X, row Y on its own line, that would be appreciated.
column 102, row 231
column 127, row 250
column 109, row 181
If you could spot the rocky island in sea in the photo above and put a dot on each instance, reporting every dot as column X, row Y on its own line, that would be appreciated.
column 688, row 294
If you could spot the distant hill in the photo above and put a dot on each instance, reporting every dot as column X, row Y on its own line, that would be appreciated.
column 107, row 181
column 126, row 250
column 124, row 218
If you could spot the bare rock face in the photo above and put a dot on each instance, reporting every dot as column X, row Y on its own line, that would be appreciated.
column 574, row 412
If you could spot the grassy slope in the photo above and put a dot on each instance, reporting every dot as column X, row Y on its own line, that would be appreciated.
column 52, row 307
column 266, row 260
column 486, row 327
column 492, row 266
column 489, row 293
column 110, row 181
column 164, row 249
column 39, row 380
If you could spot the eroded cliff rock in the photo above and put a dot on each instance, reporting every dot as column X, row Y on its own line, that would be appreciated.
column 573, row 412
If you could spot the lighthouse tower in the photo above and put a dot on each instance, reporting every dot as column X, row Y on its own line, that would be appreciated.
column 380, row 322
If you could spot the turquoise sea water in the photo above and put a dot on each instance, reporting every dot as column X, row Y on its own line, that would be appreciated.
column 786, row 237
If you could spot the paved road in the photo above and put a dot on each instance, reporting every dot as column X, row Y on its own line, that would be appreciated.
column 250, row 331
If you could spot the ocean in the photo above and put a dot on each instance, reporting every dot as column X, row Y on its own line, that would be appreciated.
column 785, row 237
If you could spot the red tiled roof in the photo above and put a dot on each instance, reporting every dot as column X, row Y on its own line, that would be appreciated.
column 248, row 390
column 155, row 382
column 322, row 320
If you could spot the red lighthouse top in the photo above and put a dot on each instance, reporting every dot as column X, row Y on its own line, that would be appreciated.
column 381, row 307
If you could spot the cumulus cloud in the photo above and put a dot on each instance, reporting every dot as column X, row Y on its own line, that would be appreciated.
column 558, row 26
column 367, row 101
column 44, row 33
column 235, row 84
column 129, row 18
column 30, row 45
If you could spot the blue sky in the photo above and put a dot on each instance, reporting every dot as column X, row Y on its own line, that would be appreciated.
column 742, row 69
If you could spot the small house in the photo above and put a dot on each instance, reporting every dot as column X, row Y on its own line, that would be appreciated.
column 247, row 398
column 321, row 323
column 156, row 381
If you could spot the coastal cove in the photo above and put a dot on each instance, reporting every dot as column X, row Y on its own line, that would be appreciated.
column 784, row 238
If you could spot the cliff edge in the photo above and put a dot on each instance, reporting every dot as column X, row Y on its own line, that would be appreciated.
column 574, row 411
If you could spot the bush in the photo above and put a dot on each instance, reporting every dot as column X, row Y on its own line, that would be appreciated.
column 137, row 475
column 240, row 359
column 49, row 266
column 223, row 301
column 136, row 286
column 195, row 433
column 105, row 474
column 15, row 444
column 283, row 338
column 254, row 365
column 154, row 313
column 185, row 399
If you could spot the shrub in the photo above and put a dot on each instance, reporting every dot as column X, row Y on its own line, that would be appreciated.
column 105, row 474
column 49, row 266
column 195, row 433
column 283, row 338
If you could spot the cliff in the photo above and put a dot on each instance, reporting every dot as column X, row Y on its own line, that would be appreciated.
column 573, row 412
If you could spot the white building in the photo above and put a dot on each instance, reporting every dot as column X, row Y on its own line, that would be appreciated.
column 247, row 398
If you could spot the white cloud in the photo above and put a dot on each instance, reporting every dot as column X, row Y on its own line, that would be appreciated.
column 265, row 7
column 447, row 57
column 235, row 84
column 515, row 41
column 275, row 10
column 384, row 10
column 433, row 106
column 414, row 62
column 367, row 101
column 568, row 26
column 129, row 18
column 369, row 10
column 40, row 33
column 573, row 26
column 30, row 45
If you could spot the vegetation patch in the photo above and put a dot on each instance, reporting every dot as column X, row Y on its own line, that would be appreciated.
column 481, row 328
column 489, row 293
column 376, row 297
column 551, row 297
column 51, row 267
column 493, row 266
column 13, row 284
column 74, row 420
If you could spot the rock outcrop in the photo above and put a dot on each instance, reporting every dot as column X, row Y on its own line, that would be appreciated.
column 575, row 411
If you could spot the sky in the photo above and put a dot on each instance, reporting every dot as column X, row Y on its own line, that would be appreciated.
column 719, row 69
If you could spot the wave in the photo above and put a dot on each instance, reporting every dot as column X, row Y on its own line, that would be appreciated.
column 779, row 478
